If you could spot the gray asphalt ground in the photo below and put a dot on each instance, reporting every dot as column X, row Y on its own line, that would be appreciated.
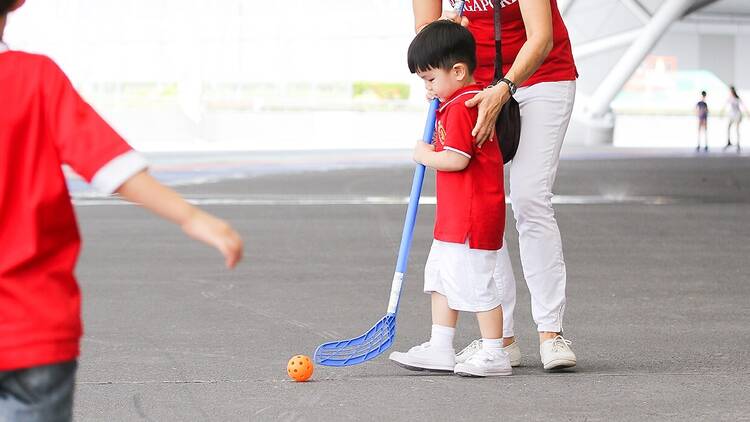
column 657, row 253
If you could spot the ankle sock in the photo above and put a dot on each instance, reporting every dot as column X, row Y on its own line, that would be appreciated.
column 442, row 336
column 492, row 344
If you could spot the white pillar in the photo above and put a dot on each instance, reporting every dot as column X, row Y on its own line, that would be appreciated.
column 638, row 9
column 599, row 45
column 669, row 12
column 699, row 4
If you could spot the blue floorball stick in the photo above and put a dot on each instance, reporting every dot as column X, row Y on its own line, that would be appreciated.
column 380, row 337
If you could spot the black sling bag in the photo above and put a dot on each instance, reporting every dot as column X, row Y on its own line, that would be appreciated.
column 508, row 124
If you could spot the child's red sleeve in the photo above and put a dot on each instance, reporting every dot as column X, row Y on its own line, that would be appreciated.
column 83, row 139
column 458, row 127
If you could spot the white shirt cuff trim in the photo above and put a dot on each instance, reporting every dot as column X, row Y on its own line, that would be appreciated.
column 116, row 172
column 458, row 151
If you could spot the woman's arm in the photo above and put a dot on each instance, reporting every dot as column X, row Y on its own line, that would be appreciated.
column 443, row 161
column 537, row 18
column 425, row 11
column 428, row 11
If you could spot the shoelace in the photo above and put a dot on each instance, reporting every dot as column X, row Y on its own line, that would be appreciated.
column 471, row 348
column 559, row 344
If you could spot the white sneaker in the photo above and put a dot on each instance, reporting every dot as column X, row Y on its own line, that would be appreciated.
column 425, row 357
column 485, row 364
column 512, row 349
column 514, row 352
column 556, row 354
column 469, row 350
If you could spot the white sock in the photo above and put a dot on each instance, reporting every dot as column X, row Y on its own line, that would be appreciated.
column 493, row 345
column 442, row 336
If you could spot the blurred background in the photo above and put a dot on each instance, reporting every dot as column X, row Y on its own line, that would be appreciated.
column 184, row 75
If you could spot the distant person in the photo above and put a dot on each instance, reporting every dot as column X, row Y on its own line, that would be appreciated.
column 701, row 110
column 46, row 124
column 736, row 108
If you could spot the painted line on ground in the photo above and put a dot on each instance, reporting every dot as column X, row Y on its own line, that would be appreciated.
column 374, row 200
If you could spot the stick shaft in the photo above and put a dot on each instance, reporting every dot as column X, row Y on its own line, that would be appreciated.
column 411, row 213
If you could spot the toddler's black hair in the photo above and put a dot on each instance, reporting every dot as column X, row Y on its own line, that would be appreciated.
column 440, row 45
column 5, row 6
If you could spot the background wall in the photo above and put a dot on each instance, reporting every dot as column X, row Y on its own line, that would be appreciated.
column 178, row 75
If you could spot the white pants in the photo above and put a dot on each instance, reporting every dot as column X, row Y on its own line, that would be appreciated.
column 545, row 114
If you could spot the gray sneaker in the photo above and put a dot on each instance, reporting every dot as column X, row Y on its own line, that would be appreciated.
column 512, row 349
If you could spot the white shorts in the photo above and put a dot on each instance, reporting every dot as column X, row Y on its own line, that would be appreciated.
column 463, row 275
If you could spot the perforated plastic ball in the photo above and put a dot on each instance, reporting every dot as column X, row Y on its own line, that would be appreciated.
column 300, row 368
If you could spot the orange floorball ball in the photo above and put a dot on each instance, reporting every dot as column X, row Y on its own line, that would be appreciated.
column 300, row 368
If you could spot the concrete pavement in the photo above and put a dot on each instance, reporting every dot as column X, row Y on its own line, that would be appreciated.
column 658, row 285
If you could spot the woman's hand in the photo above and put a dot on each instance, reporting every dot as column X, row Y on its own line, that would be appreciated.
column 452, row 16
column 489, row 102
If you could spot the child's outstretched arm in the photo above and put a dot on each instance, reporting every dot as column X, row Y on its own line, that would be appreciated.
column 85, row 142
column 163, row 201
column 446, row 160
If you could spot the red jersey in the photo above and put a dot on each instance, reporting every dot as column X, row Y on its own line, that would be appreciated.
column 470, row 202
column 44, row 123
column 559, row 64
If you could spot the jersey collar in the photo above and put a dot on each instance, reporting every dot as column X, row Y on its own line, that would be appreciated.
column 471, row 90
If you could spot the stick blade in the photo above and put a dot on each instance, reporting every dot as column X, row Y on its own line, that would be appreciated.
column 360, row 349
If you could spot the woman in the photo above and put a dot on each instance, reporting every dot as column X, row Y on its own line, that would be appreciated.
column 736, row 106
column 538, row 62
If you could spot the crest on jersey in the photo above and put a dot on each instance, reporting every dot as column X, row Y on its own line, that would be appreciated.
column 440, row 133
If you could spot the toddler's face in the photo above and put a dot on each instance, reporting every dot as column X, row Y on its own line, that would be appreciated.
column 440, row 83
